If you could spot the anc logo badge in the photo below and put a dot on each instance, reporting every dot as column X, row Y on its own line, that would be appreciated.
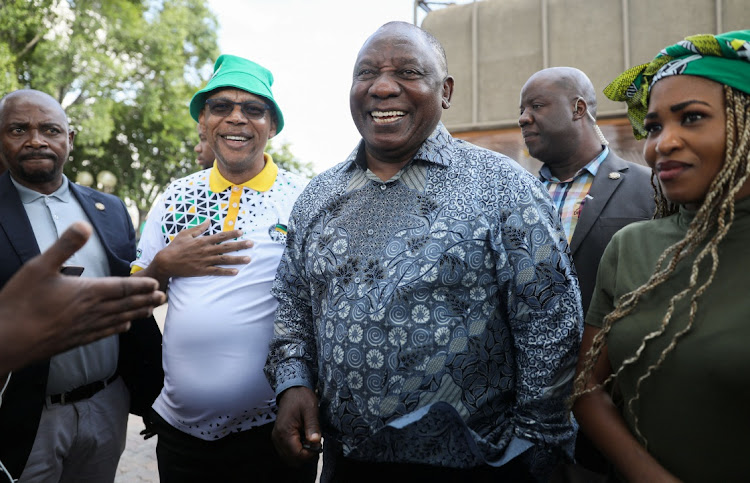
column 277, row 233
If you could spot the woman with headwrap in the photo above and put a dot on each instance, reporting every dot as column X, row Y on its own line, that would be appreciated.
column 669, row 323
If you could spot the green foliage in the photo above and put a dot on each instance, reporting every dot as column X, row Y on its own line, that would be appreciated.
column 7, row 74
column 283, row 157
column 22, row 24
column 124, row 70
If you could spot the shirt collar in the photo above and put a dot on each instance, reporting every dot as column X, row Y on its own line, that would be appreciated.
column 28, row 195
column 436, row 149
column 592, row 167
column 263, row 181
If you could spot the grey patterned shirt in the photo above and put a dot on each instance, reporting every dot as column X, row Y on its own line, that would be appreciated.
column 437, row 314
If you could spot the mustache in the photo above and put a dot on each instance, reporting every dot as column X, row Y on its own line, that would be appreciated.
column 37, row 155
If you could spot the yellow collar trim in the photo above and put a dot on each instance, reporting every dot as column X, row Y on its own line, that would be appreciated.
column 263, row 181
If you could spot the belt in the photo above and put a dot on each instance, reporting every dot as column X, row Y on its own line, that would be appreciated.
column 82, row 392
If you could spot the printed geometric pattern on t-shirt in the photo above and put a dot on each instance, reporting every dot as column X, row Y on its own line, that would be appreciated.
column 250, row 418
column 188, row 207
column 189, row 202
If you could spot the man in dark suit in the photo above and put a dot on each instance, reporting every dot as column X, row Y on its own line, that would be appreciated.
column 64, row 418
column 595, row 191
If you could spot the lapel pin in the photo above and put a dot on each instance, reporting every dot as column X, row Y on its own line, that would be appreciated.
column 614, row 175
column 100, row 206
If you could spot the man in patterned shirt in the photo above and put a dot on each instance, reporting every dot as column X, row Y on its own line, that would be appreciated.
column 429, row 316
column 216, row 411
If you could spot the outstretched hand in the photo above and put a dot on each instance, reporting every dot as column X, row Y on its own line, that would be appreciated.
column 43, row 313
column 191, row 255
column 296, row 433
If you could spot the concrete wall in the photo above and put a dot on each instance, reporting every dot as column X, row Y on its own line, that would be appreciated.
column 493, row 46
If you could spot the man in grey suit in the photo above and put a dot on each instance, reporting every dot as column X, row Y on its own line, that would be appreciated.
column 595, row 191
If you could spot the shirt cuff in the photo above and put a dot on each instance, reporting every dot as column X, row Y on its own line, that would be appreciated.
column 292, row 374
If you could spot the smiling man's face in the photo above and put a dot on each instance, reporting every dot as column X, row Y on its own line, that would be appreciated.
column 237, row 140
column 399, row 90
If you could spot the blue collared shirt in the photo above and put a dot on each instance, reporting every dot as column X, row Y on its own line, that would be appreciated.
column 437, row 313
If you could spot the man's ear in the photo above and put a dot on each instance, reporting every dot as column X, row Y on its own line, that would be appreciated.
column 447, row 91
column 272, row 130
column 71, row 137
column 579, row 108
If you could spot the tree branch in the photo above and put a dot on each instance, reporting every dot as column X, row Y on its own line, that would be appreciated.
column 30, row 46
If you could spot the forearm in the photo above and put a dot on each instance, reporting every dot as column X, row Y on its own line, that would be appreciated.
column 547, row 324
column 153, row 271
column 602, row 422
column 546, row 348
column 292, row 356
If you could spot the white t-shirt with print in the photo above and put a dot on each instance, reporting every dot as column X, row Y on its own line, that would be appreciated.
column 217, row 328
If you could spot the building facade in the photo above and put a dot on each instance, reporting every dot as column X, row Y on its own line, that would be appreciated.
column 493, row 46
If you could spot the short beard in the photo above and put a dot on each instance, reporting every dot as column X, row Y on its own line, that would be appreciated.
column 38, row 177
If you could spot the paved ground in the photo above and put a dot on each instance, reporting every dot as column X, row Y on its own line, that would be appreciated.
column 138, row 462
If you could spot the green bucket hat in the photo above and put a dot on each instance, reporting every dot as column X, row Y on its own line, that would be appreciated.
column 723, row 58
column 233, row 71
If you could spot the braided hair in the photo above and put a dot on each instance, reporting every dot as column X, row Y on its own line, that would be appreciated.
column 713, row 220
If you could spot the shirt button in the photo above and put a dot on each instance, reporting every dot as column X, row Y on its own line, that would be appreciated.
column 234, row 205
column 382, row 186
column 230, row 222
column 235, row 188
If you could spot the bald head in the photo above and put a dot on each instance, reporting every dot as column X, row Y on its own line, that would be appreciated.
column 32, row 95
column 573, row 82
column 407, row 29
column 557, row 119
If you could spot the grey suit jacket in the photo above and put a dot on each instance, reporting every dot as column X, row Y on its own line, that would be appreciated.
column 622, row 194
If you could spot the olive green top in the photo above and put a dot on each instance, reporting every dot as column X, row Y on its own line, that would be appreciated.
column 694, row 411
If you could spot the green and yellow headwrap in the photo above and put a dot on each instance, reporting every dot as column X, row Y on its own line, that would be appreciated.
column 724, row 58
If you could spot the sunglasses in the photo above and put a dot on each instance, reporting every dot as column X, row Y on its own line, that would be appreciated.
column 251, row 109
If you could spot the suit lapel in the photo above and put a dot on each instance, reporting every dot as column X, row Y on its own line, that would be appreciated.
column 601, row 191
column 14, row 221
column 96, row 212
